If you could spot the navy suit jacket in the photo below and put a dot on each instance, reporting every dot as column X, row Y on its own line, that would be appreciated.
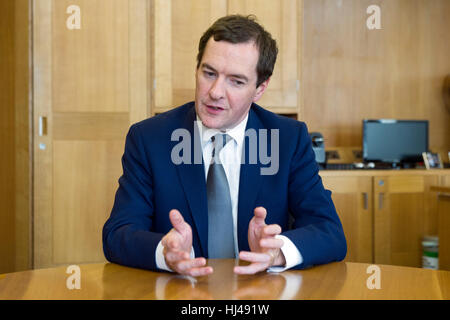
column 152, row 185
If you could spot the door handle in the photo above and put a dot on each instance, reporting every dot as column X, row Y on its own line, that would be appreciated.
column 380, row 200
column 365, row 200
column 42, row 126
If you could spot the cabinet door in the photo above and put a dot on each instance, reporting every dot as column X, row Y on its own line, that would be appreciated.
column 281, row 19
column 90, row 84
column 177, row 28
column 443, row 199
column 403, row 215
column 352, row 197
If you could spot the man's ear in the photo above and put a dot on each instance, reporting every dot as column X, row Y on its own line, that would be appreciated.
column 260, row 90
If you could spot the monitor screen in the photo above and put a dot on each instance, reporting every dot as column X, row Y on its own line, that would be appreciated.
column 394, row 141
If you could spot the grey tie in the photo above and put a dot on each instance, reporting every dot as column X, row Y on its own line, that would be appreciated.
column 220, row 219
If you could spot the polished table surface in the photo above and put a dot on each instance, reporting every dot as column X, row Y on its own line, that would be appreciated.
column 340, row 280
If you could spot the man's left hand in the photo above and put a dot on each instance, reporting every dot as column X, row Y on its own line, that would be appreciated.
column 265, row 248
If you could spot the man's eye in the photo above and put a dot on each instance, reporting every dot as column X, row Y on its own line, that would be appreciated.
column 209, row 74
column 238, row 82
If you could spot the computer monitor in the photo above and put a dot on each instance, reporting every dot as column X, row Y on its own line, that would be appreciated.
column 394, row 141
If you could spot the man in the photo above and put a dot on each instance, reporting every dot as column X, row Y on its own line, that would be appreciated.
column 171, row 215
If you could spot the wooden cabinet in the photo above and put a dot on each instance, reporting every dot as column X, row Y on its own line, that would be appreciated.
column 352, row 196
column 178, row 26
column 385, row 214
column 401, row 217
column 443, row 196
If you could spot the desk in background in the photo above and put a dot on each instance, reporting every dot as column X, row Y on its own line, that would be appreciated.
column 341, row 280
column 386, row 213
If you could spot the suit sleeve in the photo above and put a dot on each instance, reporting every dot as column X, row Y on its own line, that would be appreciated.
column 317, row 230
column 127, row 238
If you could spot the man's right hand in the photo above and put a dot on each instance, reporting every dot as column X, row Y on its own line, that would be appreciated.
column 177, row 248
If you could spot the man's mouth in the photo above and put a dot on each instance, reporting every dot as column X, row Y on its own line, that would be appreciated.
column 214, row 109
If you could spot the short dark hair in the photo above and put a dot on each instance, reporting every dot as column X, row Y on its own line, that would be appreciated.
column 239, row 29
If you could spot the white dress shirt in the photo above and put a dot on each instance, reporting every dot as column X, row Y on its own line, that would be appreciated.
column 230, row 157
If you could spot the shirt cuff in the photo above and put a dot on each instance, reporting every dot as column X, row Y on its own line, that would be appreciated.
column 161, row 261
column 291, row 254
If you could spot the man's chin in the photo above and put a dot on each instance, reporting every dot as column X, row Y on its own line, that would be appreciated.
column 211, row 122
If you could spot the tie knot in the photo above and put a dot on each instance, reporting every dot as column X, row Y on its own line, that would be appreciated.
column 219, row 141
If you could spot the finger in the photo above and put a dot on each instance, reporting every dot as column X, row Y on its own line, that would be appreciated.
column 193, row 267
column 177, row 221
column 250, row 269
column 260, row 215
column 271, row 243
column 198, row 272
column 187, row 264
column 271, row 230
column 254, row 256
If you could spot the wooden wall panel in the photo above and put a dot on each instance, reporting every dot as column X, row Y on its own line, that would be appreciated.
column 7, row 140
column 178, row 26
column 185, row 39
column 350, row 73
column 280, row 19
column 83, row 193
column 15, row 206
column 90, row 65
column 23, row 138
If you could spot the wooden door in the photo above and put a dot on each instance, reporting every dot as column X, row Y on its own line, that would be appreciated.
column 403, row 213
column 352, row 196
column 90, row 84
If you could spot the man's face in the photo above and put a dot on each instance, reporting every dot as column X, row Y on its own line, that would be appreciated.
column 226, row 83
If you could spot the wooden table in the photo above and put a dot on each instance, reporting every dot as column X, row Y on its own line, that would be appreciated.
column 342, row 280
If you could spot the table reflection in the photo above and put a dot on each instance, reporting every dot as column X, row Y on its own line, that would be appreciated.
column 129, row 283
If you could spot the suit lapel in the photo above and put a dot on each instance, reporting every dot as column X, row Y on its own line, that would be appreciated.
column 192, row 178
column 249, row 182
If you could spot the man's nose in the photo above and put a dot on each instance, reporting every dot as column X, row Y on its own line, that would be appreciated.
column 217, row 89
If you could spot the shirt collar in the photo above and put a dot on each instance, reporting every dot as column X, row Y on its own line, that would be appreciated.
column 237, row 133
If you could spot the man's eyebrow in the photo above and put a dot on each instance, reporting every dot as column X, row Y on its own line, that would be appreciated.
column 239, row 76
column 205, row 65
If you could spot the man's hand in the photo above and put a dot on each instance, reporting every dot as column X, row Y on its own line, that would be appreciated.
column 265, row 248
column 177, row 248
